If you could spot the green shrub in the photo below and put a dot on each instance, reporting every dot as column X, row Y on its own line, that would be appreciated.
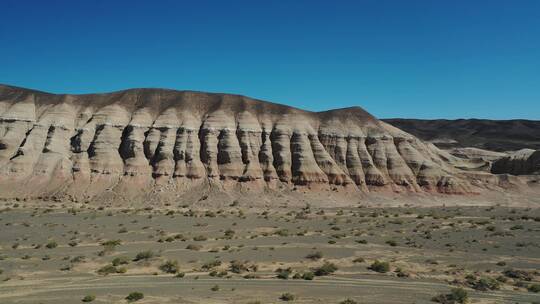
column 359, row 260
column 122, row 260
column 326, row 269
column 391, row 243
column 459, row 294
column 88, row 298
column 380, row 267
column 534, row 288
column 135, row 296
column 308, row 276
column 108, row 269
column 169, row 266
column 144, row 255
column 456, row 295
column 51, row 245
column 283, row 273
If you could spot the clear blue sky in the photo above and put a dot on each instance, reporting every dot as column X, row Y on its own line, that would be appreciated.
column 423, row 59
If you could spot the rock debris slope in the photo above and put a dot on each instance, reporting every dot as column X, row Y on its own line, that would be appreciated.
column 147, row 140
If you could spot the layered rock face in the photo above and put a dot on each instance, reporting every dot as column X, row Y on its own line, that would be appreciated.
column 522, row 162
column 140, row 140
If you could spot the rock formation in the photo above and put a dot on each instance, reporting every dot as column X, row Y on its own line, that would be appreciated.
column 140, row 140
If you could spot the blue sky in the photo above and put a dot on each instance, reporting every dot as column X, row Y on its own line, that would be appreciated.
column 413, row 59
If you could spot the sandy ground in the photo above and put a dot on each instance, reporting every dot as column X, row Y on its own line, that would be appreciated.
column 429, row 249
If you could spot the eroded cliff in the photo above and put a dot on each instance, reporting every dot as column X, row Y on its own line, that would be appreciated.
column 135, row 141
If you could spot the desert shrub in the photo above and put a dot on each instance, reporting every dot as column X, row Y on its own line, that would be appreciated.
column 211, row 264
column 215, row 288
column 107, row 269
column 518, row 274
column 348, row 301
column 180, row 275
column 238, row 267
column 517, row 227
column 169, row 239
column 283, row 273
column 194, row 247
column 73, row 243
column 460, row 295
column 359, row 260
column 308, row 276
column 78, row 259
column 144, row 255
column 456, row 295
column 135, row 296
column 229, row 233
column 534, row 288
column 484, row 284
column 51, row 245
column 200, row 238
column 491, row 228
column 111, row 243
column 326, row 269
column 287, row 297
column 380, row 267
column 169, row 266
column 122, row 260
column 314, row 255
column 391, row 243
column 401, row 274
column 88, row 298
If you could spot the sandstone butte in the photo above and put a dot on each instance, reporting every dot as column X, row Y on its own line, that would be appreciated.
column 163, row 142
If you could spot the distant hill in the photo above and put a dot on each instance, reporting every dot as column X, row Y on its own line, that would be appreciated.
column 495, row 135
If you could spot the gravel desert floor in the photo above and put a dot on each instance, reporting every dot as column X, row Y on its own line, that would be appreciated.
column 409, row 254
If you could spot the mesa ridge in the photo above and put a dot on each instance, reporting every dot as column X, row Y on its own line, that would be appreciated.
column 135, row 140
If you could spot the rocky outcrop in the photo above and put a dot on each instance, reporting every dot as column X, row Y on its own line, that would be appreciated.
column 522, row 162
column 137, row 141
